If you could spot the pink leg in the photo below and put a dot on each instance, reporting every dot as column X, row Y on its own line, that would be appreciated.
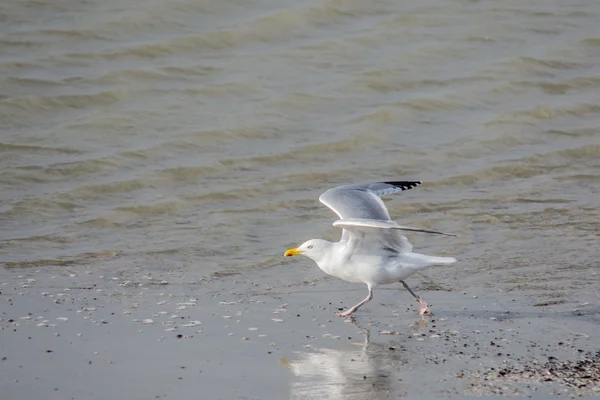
column 352, row 310
column 421, row 302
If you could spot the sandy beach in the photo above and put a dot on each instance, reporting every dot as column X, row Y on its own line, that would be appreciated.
column 90, row 336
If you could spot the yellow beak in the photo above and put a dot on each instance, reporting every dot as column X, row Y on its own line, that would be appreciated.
column 292, row 252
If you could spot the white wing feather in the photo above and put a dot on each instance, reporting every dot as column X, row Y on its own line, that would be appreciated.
column 363, row 201
column 379, row 224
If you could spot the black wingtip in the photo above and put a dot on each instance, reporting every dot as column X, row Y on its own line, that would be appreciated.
column 404, row 185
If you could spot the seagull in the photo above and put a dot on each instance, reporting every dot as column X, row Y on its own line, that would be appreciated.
column 371, row 250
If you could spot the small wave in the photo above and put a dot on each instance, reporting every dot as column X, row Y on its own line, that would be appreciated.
column 40, row 206
column 591, row 42
column 466, row 180
column 545, row 113
column 169, row 207
column 384, row 116
column 584, row 82
column 303, row 102
column 109, row 122
column 7, row 42
column 206, row 140
column 10, row 67
column 230, row 89
column 8, row 147
column 581, row 178
column 35, row 83
column 56, row 172
column 46, row 238
column 128, row 76
column 307, row 178
column 101, row 222
column 542, row 67
column 580, row 110
column 306, row 152
column 183, row 174
column 418, row 17
column 256, row 131
column 580, row 154
column 33, row 104
column 530, row 166
column 537, row 113
column 95, row 192
column 389, row 81
column 81, row 259
column 276, row 188
column 432, row 104
column 191, row 72
column 79, row 34
column 468, row 149
column 216, row 40
column 271, row 29
column 547, row 87
column 272, row 207
column 384, row 82
column 271, row 188
column 552, row 86
column 80, row 168
column 499, row 173
column 400, row 111
column 541, row 201
column 217, row 197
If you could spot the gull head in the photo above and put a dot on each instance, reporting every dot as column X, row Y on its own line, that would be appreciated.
column 314, row 248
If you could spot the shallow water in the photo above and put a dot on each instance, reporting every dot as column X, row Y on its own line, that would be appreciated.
column 191, row 139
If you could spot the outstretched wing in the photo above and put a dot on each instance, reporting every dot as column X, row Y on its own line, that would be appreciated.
column 363, row 201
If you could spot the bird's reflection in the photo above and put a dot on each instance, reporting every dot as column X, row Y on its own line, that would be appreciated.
column 365, row 372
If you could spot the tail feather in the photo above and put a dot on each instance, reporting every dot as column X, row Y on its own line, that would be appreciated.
column 432, row 260
column 442, row 260
column 415, row 262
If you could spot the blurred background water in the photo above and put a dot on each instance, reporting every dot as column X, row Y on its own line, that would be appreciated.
column 196, row 135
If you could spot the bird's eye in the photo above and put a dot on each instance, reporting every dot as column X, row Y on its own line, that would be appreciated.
column 310, row 246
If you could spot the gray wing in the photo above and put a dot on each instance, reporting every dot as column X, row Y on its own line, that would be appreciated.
column 363, row 201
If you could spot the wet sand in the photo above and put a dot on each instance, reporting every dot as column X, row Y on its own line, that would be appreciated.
column 88, row 336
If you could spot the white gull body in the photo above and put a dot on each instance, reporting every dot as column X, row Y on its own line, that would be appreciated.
column 372, row 250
